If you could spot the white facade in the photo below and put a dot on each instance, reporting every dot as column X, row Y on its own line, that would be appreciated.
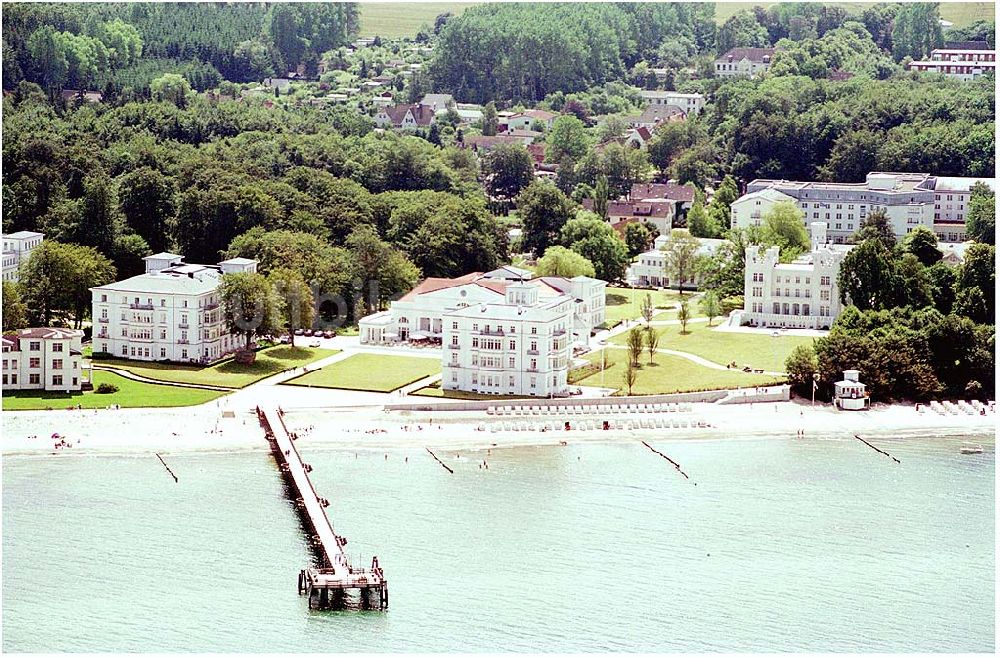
column 649, row 268
column 515, row 347
column 170, row 313
column 16, row 249
column 802, row 294
column 957, row 63
column 951, row 204
column 745, row 62
column 849, row 393
column 43, row 359
column 690, row 103
column 750, row 209
column 844, row 206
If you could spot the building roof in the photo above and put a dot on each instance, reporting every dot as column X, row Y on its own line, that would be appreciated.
column 486, row 142
column 667, row 94
column 437, row 101
column 966, row 45
column 507, row 312
column 768, row 193
column 238, row 261
column 654, row 114
column 23, row 235
column 422, row 114
column 756, row 55
column 955, row 183
column 519, row 132
column 164, row 255
column 671, row 191
column 540, row 115
column 178, row 280
column 13, row 340
column 517, row 272
column 635, row 209
column 431, row 284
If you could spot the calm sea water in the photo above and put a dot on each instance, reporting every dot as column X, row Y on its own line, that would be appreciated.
column 780, row 545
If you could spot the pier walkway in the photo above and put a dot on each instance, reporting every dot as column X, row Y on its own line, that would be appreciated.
column 331, row 584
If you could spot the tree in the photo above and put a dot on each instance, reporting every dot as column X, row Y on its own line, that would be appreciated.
column 384, row 272
column 57, row 280
column 741, row 29
column 172, row 88
column 980, row 220
column 711, row 306
column 681, row 262
column 295, row 299
column 507, row 169
column 720, row 207
column 568, row 136
column 146, row 199
column 683, row 315
column 783, row 227
column 652, row 341
column 978, row 270
column 601, row 197
column 48, row 58
column 922, row 243
column 876, row 227
column 801, row 365
column 490, row 122
column 629, row 376
column 127, row 253
column 698, row 222
column 647, row 308
column 596, row 241
column 637, row 238
column 250, row 306
column 916, row 30
column 867, row 277
column 635, row 341
column 15, row 313
column 101, row 219
column 942, row 284
column 560, row 261
column 971, row 303
column 544, row 210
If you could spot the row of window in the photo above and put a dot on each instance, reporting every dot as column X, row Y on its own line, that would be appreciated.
column 35, row 362
column 36, row 378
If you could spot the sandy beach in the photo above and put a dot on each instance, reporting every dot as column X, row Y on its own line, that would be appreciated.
column 227, row 427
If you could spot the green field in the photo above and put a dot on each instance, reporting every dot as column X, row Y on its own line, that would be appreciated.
column 395, row 20
column 619, row 304
column 722, row 347
column 959, row 13
column 668, row 374
column 130, row 394
column 269, row 362
column 370, row 372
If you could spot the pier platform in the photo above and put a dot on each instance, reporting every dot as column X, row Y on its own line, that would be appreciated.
column 334, row 582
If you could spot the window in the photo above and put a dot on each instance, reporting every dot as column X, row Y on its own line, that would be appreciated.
column 34, row 346
column 124, row 350
column 104, row 298
column 512, row 346
column 57, row 380
column 454, row 325
column 163, row 352
column 184, row 354
column 534, row 330
column 34, row 362
column 34, row 378
column 57, row 364
column 824, row 281
column 57, row 347
column 824, row 295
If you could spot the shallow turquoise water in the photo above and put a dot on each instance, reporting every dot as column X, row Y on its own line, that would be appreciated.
column 779, row 546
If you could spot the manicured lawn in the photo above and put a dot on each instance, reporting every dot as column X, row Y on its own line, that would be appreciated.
column 959, row 13
column 394, row 20
column 618, row 303
column 722, row 347
column 669, row 374
column 436, row 392
column 269, row 362
column 370, row 372
column 130, row 394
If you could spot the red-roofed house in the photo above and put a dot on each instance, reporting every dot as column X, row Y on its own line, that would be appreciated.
column 405, row 117
column 658, row 212
column 45, row 358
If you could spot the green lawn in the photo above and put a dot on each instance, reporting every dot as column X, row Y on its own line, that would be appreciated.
column 370, row 372
column 756, row 350
column 435, row 391
column 397, row 19
column 669, row 374
column 269, row 361
column 618, row 302
column 130, row 394
column 959, row 13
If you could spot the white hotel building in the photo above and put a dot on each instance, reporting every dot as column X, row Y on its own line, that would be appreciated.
column 16, row 249
column 170, row 313
column 517, row 347
column 691, row 104
column 649, row 270
column 45, row 358
column 961, row 64
column 802, row 294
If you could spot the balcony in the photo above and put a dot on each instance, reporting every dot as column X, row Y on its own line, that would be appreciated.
column 209, row 307
column 533, row 352
column 492, row 332
column 104, row 320
column 183, row 325
column 559, row 332
column 141, row 307
column 183, row 341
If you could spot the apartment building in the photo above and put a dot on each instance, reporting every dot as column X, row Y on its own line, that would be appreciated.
column 959, row 63
column 520, row 345
column 691, row 104
column 843, row 207
column 802, row 294
column 16, row 249
column 951, row 204
column 171, row 312
column 45, row 359
column 744, row 62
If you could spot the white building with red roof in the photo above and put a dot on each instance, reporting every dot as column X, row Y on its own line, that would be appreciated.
column 44, row 359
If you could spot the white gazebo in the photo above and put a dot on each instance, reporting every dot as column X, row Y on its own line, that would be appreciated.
column 849, row 393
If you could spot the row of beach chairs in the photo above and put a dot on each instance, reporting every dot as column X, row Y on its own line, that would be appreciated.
column 587, row 410
column 648, row 423
column 968, row 407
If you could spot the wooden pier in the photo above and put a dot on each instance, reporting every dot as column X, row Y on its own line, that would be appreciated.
column 335, row 582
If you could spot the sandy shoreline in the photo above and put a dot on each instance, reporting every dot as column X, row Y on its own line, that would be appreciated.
column 204, row 429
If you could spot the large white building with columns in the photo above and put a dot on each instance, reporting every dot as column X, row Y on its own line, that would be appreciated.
column 172, row 312
column 517, row 346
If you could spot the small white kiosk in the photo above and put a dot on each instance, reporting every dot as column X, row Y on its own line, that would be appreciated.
column 849, row 393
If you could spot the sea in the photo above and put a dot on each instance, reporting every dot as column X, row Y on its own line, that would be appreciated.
column 759, row 545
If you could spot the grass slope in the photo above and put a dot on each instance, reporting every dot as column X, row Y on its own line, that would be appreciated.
column 619, row 305
column 722, row 347
column 381, row 373
column 130, row 394
column 959, row 13
column 394, row 20
column 269, row 362
column 669, row 374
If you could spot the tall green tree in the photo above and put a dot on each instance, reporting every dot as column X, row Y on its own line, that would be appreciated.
column 15, row 313
column 876, row 227
column 146, row 199
column 922, row 243
column 490, row 122
column 635, row 340
column 507, row 169
column 916, row 30
column 56, row 281
column 568, row 136
column 296, row 304
column 637, row 238
column 681, row 257
column 719, row 209
column 711, row 306
column 596, row 241
column 783, row 227
column 250, row 306
column 171, row 88
column 980, row 219
column 560, row 261
column 543, row 210
column 698, row 222
column 382, row 271
column 868, row 278
column 601, row 197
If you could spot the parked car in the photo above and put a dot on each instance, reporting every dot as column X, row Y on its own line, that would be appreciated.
column 284, row 339
column 314, row 343
column 309, row 332
column 299, row 332
column 329, row 334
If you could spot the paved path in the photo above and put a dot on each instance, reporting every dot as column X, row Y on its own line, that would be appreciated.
column 128, row 374
column 702, row 361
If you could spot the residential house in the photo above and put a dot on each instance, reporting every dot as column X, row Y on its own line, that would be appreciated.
column 437, row 103
column 649, row 269
column 959, row 63
column 654, row 115
column 660, row 213
column 638, row 137
column 404, row 117
column 170, row 313
column 46, row 359
column 526, row 120
column 691, row 104
column 74, row 95
column 16, row 249
column 744, row 62
column 682, row 196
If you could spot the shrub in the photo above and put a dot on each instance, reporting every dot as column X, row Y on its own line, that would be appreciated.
column 105, row 387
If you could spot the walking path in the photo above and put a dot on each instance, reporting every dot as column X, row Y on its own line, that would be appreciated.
column 702, row 361
column 128, row 374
